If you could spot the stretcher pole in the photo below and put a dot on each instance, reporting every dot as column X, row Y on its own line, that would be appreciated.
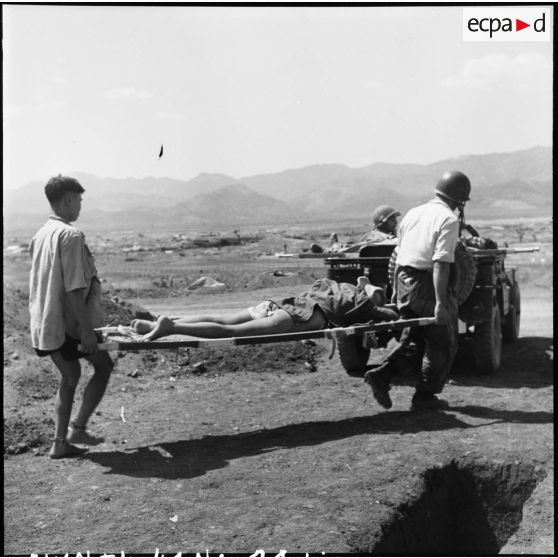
column 332, row 333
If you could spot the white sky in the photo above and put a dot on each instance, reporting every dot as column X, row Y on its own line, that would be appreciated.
column 252, row 90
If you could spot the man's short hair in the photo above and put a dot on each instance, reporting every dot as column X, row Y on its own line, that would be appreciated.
column 57, row 186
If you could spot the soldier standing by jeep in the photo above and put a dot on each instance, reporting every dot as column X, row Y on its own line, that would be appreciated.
column 427, row 238
column 384, row 220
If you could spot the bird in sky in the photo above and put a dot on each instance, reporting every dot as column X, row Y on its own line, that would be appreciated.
column 161, row 151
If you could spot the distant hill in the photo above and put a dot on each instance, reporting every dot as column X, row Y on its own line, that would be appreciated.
column 119, row 194
column 353, row 192
column 235, row 204
column 518, row 198
column 517, row 184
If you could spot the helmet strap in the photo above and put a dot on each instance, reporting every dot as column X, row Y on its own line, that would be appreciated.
column 461, row 208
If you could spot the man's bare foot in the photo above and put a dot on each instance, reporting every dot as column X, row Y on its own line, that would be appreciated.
column 163, row 326
column 142, row 326
column 362, row 281
column 61, row 449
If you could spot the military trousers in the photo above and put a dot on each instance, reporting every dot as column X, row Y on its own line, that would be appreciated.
column 430, row 350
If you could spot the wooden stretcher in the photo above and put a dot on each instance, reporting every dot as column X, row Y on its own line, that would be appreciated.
column 113, row 341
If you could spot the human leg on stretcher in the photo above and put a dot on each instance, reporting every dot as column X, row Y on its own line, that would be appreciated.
column 326, row 302
column 241, row 324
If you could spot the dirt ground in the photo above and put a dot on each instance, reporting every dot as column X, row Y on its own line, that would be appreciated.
column 274, row 447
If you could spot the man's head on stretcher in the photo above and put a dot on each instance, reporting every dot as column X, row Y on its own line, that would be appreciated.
column 326, row 303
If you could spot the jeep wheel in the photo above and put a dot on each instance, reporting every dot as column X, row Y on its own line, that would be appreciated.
column 353, row 355
column 488, row 343
column 510, row 328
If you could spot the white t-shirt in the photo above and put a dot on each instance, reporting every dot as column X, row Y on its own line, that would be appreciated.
column 428, row 233
column 60, row 263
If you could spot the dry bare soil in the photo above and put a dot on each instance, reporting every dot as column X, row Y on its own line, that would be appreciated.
column 274, row 447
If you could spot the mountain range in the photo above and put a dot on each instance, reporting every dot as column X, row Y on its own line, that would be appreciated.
column 505, row 185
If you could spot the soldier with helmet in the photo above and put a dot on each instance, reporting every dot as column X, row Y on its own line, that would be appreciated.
column 427, row 238
column 384, row 220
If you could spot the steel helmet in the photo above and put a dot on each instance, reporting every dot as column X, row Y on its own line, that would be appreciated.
column 455, row 186
column 382, row 213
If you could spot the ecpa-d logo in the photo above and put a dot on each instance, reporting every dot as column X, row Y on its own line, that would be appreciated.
column 507, row 24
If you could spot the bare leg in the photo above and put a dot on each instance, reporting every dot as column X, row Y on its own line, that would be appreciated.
column 279, row 322
column 146, row 326
column 92, row 395
column 70, row 372
column 229, row 319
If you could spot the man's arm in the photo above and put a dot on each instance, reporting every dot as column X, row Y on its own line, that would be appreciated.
column 440, row 276
column 88, row 338
column 394, row 287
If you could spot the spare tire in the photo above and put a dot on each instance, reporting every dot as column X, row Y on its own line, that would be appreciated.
column 463, row 272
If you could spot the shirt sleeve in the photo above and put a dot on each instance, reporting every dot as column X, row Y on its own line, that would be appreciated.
column 444, row 250
column 72, row 262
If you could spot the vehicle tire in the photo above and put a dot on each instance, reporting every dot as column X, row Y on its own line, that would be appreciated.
column 488, row 343
column 353, row 355
column 510, row 328
column 465, row 269
column 463, row 272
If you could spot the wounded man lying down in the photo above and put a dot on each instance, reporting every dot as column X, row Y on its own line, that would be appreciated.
column 326, row 303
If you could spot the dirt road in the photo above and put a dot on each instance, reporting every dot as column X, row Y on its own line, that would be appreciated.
column 276, row 457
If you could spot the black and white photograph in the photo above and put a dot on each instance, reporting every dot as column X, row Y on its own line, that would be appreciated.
column 278, row 279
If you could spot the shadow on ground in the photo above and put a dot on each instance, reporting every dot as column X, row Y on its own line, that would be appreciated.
column 500, row 415
column 193, row 458
column 526, row 363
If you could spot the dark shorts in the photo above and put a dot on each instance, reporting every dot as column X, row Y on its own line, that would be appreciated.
column 69, row 349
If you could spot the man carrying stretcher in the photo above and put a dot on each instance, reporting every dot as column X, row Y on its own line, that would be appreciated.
column 326, row 303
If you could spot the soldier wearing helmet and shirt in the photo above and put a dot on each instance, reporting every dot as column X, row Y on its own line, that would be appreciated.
column 427, row 237
column 384, row 220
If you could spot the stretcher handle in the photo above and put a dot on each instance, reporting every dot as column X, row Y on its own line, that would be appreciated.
column 263, row 339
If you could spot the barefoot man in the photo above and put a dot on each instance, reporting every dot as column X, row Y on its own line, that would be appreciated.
column 64, row 304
